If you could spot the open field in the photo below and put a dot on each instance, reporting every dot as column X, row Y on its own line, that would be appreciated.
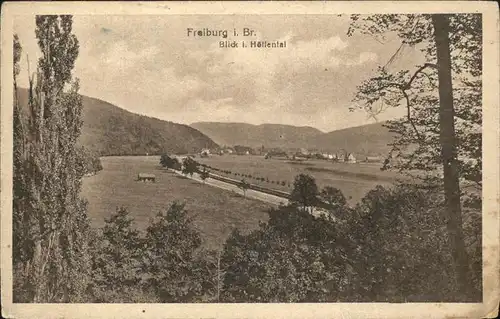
column 354, row 180
column 218, row 211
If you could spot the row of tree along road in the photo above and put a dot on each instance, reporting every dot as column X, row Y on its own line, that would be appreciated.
column 304, row 193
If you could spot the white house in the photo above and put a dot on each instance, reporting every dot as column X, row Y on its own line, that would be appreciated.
column 303, row 151
column 205, row 152
column 351, row 158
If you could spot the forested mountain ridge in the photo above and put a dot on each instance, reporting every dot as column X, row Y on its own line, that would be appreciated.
column 370, row 139
column 110, row 130
column 269, row 135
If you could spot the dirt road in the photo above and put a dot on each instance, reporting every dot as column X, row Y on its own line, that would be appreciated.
column 250, row 193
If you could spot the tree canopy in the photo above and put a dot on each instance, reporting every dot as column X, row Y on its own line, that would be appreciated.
column 305, row 191
column 50, row 223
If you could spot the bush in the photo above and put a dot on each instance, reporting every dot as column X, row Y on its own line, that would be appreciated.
column 391, row 247
column 404, row 242
column 117, row 251
column 305, row 191
column 283, row 261
column 90, row 162
column 175, row 271
column 333, row 196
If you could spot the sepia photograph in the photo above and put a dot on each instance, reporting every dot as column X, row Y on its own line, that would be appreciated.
column 205, row 156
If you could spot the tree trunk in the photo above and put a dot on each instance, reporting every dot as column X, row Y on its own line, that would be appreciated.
column 447, row 139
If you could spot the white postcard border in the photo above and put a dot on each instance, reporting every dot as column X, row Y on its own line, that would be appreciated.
column 491, row 156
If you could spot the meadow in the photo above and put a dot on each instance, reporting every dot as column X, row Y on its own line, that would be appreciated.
column 217, row 211
column 354, row 180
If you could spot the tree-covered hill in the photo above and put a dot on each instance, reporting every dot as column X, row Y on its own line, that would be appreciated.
column 269, row 135
column 365, row 140
column 370, row 139
column 110, row 130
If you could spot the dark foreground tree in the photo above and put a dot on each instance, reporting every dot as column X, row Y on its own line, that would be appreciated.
column 91, row 163
column 174, row 269
column 168, row 162
column 290, row 259
column 390, row 247
column 116, row 260
column 305, row 191
column 189, row 166
column 449, row 152
column 439, row 141
column 50, row 224
column 333, row 196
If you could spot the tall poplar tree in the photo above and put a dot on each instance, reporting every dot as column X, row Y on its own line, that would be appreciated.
column 51, row 262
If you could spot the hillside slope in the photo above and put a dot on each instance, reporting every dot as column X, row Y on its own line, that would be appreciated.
column 371, row 139
column 269, row 135
column 110, row 130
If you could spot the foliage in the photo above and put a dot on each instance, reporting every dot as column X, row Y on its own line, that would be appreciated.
column 169, row 162
column 91, row 163
column 17, row 51
column 390, row 247
column 117, row 256
column 333, row 196
column 305, row 191
column 290, row 259
column 204, row 174
column 174, row 270
column 50, row 223
column 241, row 149
column 443, row 151
column 416, row 149
column 189, row 166
column 402, row 237
column 244, row 186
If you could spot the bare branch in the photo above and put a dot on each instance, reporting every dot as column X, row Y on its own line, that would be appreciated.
column 408, row 108
column 426, row 65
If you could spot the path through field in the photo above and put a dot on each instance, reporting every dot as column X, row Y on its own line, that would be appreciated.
column 354, row 180
column 250, row 193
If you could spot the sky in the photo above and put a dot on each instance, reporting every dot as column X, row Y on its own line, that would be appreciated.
column 149, row 65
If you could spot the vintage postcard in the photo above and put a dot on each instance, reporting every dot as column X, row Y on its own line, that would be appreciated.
column 250, row 160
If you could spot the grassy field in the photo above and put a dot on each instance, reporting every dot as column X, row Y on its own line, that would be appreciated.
column 354, row 180
column 217, row 211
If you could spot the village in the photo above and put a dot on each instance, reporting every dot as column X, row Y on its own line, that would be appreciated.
column 294, row 155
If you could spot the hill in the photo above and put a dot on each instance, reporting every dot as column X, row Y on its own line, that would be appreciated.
column 110, row 130
column 269, row 135
column 371, row 139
